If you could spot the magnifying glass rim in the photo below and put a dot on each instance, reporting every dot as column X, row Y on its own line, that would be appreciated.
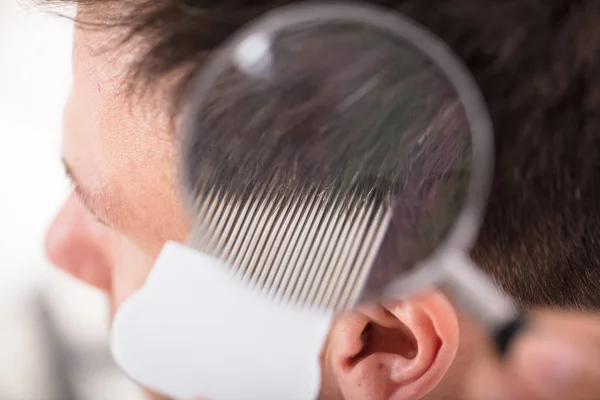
column 465, row 229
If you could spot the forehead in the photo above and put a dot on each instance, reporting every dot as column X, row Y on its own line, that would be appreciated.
column 98, row 55
column 119, row 145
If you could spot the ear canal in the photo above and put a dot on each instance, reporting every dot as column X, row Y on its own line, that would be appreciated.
column 384, row 339
column 365, row 335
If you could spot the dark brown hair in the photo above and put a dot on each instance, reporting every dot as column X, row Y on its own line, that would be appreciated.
column 537, row 63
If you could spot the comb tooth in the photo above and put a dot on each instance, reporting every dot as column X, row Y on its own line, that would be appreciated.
column 295, row 267
column 312, row 246
column 204, row 205
column 262, row 230
column 334, row 262
column 351, row 245
column 331, row 236
column 266, row 241
column 274, row 278
column 219, row 217
column 203, row 200
column 211, row 217
column 240, row 244
column 289, row 265
column 378, row 229
column 367, row 229
column 278, row 234
column 270, row 243
column 232, row 246
column 318, row 251
column 247, row 223
column 225, row 235
column 256, row 224
column 201, row 194
column 222, row 218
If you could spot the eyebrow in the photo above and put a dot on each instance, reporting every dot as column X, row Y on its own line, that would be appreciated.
column 88, row 199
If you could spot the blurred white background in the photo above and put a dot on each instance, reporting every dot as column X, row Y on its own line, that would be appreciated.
column 34, row 79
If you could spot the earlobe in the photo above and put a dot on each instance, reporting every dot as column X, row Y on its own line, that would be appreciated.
column 398, row 350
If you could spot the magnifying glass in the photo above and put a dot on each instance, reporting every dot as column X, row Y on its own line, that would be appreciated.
column 333, row 155
column 364, row 106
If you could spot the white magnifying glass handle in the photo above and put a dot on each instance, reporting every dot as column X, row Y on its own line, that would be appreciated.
column 475, row 291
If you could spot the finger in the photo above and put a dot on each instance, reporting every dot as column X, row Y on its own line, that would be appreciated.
column 489, row 379
column 541, row 367
column 577, row 325
column 557, row 367
column 485, row 376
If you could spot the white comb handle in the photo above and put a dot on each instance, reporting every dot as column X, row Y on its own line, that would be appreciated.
column 194, row 332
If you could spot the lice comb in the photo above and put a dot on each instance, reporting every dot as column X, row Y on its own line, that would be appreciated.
column 313, row 248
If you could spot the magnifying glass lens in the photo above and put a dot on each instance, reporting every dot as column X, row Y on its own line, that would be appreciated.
column 349, row 106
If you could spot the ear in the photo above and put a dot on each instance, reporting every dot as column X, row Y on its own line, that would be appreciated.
column 398, row 350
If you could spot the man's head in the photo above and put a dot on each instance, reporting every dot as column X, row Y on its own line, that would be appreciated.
column 538, row 65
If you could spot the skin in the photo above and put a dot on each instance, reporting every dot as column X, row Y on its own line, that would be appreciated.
column 120, row 154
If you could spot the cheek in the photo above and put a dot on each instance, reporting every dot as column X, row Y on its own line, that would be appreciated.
column 130, row 271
